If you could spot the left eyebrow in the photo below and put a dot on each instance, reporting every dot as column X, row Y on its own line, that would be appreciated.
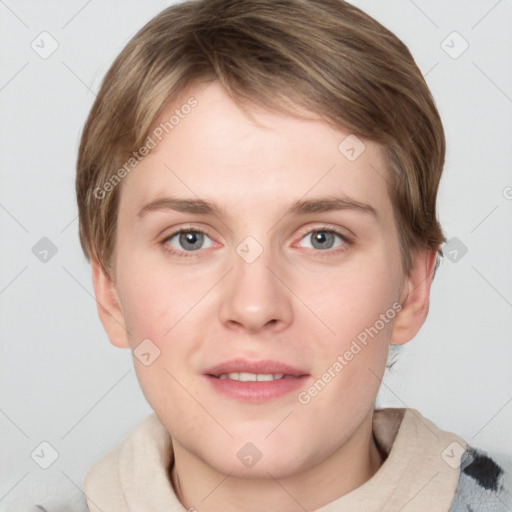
column 301, row 207
column 330, row 204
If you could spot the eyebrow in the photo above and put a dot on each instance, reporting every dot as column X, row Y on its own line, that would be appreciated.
column 301, row 207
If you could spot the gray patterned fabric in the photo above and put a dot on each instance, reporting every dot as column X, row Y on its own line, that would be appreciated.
column 483, row 485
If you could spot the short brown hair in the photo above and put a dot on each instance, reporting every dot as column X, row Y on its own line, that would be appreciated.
column 325, row 55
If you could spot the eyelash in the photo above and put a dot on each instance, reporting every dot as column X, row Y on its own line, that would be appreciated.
column 187, row 254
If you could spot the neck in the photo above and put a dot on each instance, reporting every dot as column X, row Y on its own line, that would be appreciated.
column 197, row 485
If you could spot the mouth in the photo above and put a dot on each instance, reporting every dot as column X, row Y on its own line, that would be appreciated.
column 255, row 381
column 252, row 377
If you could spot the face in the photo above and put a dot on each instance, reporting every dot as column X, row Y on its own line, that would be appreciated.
column 258, row 251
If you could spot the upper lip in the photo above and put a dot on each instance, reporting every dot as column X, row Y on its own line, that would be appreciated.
column 247, row 366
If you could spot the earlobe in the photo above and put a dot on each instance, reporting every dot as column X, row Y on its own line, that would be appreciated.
column 415, row 298
column 109, row 310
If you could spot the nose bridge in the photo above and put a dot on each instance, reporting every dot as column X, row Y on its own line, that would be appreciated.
column 254, row 297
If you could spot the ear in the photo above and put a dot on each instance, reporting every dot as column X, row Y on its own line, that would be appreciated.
column 109, row 309
column 415, row 298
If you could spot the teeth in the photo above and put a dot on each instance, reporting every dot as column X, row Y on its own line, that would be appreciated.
column 252, row 377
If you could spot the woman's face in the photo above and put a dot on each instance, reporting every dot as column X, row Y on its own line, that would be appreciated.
column 252, row 322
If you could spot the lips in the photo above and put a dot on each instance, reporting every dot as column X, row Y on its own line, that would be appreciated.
column 255, row 381
column 266, row 367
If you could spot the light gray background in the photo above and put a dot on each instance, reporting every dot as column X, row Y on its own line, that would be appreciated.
column 61, row 380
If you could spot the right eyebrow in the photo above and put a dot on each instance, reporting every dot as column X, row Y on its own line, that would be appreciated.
column 198, row 206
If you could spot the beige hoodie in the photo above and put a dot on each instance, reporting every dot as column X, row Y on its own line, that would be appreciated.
column 420, row 472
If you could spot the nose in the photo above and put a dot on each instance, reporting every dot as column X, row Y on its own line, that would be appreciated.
column 254, row 296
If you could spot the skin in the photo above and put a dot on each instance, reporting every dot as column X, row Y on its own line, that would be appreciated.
column 295, row 303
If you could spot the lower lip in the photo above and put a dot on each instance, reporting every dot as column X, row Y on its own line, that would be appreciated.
column 256, row 392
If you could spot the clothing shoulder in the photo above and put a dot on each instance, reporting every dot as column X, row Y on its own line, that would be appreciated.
column 101, row 485
column 134, row 476
column 484, row 485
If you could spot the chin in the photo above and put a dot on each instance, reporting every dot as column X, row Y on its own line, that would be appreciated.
column 252, row 461
column 262, row 470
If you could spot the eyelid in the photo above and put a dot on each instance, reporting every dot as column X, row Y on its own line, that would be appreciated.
column 327, row 227
column 180, row 228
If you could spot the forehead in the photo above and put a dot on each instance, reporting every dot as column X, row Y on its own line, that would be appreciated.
column 215, row 152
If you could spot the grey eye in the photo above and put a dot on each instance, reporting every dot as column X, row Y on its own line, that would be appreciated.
column 323, row 239
column 189, row 240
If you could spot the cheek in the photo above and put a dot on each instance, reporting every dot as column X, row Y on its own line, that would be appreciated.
column 353, row 298
column 350, row 363
column 153, row 300
column 155, row 306
column 359, row 306
column 161, row 305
